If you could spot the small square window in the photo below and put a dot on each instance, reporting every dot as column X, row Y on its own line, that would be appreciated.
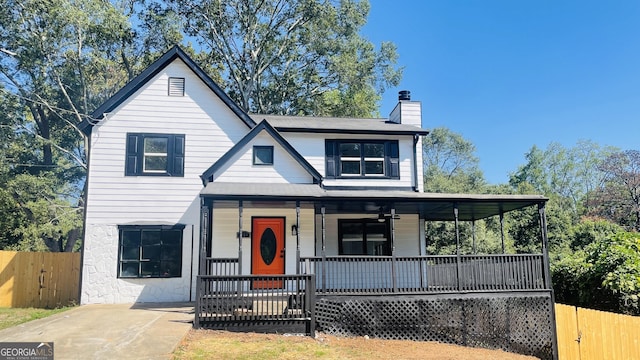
column 263, row 155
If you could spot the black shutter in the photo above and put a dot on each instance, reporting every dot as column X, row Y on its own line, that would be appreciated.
column 330, row 156
column 177, row 160
column 133, row 161
column 392, row 155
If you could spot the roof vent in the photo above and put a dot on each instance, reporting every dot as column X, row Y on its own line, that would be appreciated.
column 404, row 95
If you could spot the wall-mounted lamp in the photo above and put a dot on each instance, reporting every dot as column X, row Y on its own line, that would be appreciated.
column 294, row 230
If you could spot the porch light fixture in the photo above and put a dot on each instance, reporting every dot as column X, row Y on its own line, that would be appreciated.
column 294, row 230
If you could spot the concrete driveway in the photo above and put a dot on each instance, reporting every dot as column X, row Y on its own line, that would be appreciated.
column 129, row 331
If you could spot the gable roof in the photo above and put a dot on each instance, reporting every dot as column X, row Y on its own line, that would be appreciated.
column 175, row 53
column 340, row 125
column 263, row 125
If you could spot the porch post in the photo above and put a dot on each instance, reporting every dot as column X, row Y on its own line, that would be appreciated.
column 393, row 250
column 324, row 252
column 204, row 226
column 502, row 230
column 547, row 275
column 240, row 237
column 204, row 234
column 458, row 265
column 473, row 236
column 545, row 245
column 298, row 237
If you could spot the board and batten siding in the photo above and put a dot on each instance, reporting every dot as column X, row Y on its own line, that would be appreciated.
column 285, row 168
column 210, row 129
column 226, row 225
column 312, row 148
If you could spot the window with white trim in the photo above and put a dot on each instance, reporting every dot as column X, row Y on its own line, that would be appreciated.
column 357, row 158
column 150, row 251
column 262, row 155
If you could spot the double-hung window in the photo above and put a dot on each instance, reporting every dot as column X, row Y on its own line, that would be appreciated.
column 354, row 158
column 150, row 251
column 154, row 154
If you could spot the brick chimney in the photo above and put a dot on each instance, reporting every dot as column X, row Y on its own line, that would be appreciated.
column 406, row 111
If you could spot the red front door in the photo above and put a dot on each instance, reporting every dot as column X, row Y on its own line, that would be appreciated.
column 267, row 250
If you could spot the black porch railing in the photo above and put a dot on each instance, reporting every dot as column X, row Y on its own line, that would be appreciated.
column 221, row 266
column 425, row 274
column 250, row 299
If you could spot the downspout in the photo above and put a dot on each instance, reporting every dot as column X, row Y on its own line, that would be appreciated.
column 87, row 145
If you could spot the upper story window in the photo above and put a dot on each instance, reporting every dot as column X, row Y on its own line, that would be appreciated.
column 357, row 158
column 176, row 86
column 154, row 155
column 263, row 155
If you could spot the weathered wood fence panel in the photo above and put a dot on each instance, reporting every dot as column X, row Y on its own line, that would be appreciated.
column 585, row 334
column 38, row 279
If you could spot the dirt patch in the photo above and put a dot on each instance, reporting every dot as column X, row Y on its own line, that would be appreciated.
column 205, row 344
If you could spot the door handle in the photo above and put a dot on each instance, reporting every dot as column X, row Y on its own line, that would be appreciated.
column 282, row 253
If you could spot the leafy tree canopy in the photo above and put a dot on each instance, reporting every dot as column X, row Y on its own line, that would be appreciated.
column 292, row 57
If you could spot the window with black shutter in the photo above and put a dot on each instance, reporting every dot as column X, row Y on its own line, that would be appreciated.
column 357, row 159
column 154, row 154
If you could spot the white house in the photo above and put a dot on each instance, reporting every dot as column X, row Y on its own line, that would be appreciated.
column 183, row 183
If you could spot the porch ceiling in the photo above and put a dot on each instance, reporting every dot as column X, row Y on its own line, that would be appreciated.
column 432, row 206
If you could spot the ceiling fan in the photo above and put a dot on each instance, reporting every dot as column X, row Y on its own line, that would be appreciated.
column 382, row 215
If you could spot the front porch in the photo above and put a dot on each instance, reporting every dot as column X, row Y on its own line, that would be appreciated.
column 497, row 300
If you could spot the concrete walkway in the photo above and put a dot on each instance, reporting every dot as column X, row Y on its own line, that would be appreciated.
column 130, row 331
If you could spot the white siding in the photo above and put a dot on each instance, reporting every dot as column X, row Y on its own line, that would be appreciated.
column 225, row 228
column 408, row 113
column 285, row 168
column 311, row 146
column 210, row 130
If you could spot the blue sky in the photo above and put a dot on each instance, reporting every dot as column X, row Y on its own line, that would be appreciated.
column 510, row 74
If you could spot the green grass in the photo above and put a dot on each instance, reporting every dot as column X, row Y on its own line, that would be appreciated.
column 15, row 316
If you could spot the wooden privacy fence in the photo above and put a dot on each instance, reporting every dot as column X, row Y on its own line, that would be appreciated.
column 585, row 334
column 38, row 279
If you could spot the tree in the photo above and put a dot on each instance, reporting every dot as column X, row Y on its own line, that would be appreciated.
column 450, row 164
column 619, row 197
column 605, row 275
column 567, row 176
column 60, row 59
column 292, row 57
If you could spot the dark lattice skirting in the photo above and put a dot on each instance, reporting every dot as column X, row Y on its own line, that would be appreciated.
column 514, row 322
